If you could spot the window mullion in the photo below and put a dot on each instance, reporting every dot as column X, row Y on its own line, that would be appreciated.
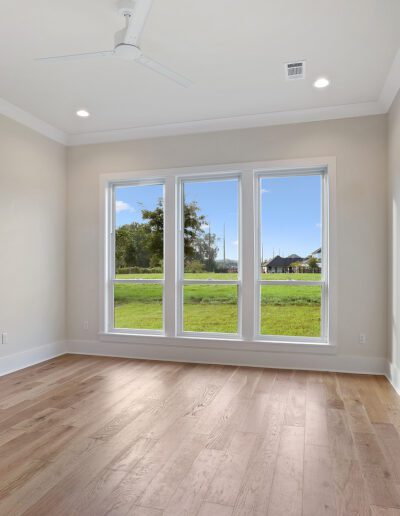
column 247, row 257
column 170, row 226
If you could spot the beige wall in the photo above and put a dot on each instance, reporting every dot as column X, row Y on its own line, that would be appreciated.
column 394, row 240
column 32, row 239
column 360, row 147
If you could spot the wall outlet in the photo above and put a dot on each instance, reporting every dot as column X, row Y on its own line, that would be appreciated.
column 363, row 338
column 4, row 338
column 85, row 325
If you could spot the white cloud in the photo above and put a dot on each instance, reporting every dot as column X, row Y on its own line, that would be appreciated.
column 318, row 225
column 264, row 190
column 123, row 206
column 235, row 242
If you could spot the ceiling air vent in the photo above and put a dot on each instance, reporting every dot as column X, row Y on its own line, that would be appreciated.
column 295, row 70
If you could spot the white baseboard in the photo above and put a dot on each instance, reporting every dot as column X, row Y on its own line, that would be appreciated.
column 285, row 360
column 393, row 375
column 29, row 357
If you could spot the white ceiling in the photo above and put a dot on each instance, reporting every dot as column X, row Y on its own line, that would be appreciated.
column 233, row 51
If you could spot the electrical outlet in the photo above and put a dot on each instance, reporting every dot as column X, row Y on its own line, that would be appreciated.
column 363, row 338
column 4, row 338
column 85, row 325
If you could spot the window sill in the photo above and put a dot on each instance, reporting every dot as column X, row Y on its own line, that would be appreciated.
column 212, row 342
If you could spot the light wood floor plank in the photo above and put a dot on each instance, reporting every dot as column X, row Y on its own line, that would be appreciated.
column 94, row 436
column 319, row 488
column 229, row 477
column 287, row 488
column 213, row 509
column 382, row 511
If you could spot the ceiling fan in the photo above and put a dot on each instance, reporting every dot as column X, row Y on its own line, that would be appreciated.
column 127, row 42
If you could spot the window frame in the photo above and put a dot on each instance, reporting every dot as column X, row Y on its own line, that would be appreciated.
column 112, row 280
column 248, row 341
column 323, row 283
column 180, row 258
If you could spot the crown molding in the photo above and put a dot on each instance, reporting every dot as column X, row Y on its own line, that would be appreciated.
column 382, row 105
column 392, row 84
column 28, row 120
column 229, row 123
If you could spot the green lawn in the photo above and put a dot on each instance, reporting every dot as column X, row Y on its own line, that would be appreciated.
column 285, row 310
column 225, row 276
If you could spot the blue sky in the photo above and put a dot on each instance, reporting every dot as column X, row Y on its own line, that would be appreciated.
column 131, row 200
column 290, row 212
column 291, row 215
column 219, row 203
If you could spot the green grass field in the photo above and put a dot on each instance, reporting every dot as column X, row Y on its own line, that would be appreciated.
column 285, row 310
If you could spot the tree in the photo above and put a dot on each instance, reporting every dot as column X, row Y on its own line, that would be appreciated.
column 206, row 250
column 297, row 265
column 194, row 267
column 312, row 263
column 142, row 244
column 193, row 230
column 155, row 224
column 155, row 227
column 198, row 245
column 131, row 246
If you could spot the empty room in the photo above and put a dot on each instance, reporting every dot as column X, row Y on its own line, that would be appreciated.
column 199, row 258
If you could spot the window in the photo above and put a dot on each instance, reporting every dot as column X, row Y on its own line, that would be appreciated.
column 209, row 268
column 291, row 272
column 238, row 254
column 137, row 265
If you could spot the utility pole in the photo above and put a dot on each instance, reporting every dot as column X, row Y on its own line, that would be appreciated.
column 209, row 248
column 224, row 247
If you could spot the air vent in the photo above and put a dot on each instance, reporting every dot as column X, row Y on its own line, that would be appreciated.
column 295, row 70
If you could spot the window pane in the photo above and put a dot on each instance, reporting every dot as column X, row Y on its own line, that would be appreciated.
column 139, row 231
column 291, row 310
column 138, row 306
column 211, row 229
column 291, row 227
column 210, row 308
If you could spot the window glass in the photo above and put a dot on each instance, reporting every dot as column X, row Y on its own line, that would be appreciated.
column 138, row 306
column 291, row 310
column 139, row 231
column 211, row 236
column 210, row 308
column 291, row 227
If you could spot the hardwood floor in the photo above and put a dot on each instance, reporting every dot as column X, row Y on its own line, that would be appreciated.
column 95, row 436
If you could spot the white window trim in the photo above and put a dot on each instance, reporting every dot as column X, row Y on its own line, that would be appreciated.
column 248, row 340
column 181, row 281
column 324, row 283
column 111, row 272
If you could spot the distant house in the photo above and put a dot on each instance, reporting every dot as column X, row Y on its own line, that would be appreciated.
column 280, row 265
column 292, row 263
column 316, row 254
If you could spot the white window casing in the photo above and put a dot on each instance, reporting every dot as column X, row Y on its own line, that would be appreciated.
column 248, row 281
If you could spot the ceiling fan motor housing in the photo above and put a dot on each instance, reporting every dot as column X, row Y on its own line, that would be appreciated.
column 126, row 7
column 129, row 52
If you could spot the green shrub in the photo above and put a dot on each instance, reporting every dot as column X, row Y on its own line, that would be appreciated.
column 139, row 270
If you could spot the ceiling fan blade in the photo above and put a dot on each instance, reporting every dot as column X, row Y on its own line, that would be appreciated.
column 78, row 57
column 159, row 68
column 137, row 21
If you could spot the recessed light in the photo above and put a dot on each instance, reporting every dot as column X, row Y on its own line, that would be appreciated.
column 83, row 113
column 322, row 82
